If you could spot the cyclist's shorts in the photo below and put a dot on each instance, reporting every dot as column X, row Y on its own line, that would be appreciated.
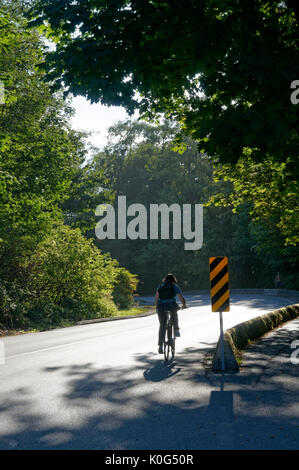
column 170, row 306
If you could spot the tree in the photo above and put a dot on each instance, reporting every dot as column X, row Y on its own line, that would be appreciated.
column 88, row 189
column 243, row 208
column 43, row 263
column 39, row 152
column 222, row 68
column 271, row 192
column 151, row 172
column 65, row 264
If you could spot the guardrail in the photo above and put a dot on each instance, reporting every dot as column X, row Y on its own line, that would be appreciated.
column 237, row 337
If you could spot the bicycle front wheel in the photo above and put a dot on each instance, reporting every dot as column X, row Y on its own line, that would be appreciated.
column 168, row 345
column 166, row 351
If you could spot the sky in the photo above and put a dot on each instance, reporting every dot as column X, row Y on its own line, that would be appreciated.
column 96, row 118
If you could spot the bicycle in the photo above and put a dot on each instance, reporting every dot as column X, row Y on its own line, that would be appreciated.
column 169, row 344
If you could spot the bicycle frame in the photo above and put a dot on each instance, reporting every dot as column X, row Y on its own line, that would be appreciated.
column 169, row 344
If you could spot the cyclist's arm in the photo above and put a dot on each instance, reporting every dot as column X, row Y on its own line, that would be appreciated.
column 182, row 300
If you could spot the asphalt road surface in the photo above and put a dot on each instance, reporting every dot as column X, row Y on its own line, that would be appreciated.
column 103, row 386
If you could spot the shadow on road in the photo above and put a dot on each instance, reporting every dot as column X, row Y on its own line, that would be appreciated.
column 153, row 405
column 161, row 371
column 259, row 302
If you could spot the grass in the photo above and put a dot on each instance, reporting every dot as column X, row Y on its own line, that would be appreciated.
column 36, row 329
column 239, row 357
column 16, row 332
column 134, row 311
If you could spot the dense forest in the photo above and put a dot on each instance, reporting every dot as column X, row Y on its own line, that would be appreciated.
column 53, row 269
column 49, row 272
column 141, row 162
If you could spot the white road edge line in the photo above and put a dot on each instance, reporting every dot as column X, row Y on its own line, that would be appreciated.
column 67, row 344
column 46, row 349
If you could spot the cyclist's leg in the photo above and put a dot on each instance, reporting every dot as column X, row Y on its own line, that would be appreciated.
column 162, row 328
column 174, row 317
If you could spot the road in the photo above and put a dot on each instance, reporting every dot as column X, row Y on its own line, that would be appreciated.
column 103, row 385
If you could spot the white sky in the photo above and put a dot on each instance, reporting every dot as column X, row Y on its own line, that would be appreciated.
column 96, row 118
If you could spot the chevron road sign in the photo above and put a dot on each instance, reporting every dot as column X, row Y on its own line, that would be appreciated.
column 219, row 293
column 219, row 284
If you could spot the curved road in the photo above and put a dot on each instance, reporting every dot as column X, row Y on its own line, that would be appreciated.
column 103, row 385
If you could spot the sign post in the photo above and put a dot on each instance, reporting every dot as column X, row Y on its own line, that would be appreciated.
column 219, row 293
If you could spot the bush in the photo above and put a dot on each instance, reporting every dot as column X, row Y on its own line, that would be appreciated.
column 44, row 314
column 13, row 304
column 105, row 308
column 76, row 310
column 124, row 288
column 63, row 278
column 67, row 265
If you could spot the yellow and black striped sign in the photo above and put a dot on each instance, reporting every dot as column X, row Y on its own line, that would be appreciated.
column 219, row 284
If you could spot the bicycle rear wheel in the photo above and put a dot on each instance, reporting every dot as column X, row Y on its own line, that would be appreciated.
column 173, row 343
column 169, row 344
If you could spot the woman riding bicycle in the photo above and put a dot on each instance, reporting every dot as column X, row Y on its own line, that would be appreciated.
column 165, row 300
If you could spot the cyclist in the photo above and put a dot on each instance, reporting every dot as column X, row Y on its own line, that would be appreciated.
column 277, row 280
column 165, row 299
